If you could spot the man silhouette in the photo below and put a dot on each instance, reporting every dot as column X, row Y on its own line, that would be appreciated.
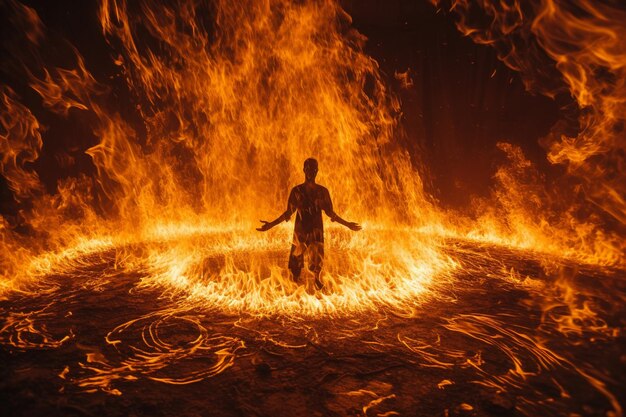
column 308, row 200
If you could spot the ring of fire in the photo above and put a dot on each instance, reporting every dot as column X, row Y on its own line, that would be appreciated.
column 237, row 272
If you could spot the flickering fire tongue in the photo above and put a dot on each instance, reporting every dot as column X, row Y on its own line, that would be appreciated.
column 130, row 261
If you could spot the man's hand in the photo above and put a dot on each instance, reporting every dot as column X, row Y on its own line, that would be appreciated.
column 353, row 226
column 334, row 217
column 266, row 226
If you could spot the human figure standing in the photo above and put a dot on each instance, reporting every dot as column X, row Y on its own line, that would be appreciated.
column 308, row 200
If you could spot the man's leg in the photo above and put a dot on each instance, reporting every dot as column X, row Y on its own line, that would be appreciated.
column 296, row 262
column 316, row 260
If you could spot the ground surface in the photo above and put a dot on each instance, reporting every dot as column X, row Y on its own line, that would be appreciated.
column 515, row 334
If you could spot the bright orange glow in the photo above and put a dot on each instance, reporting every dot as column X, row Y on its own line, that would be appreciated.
column 231, row 99
column 229, row 116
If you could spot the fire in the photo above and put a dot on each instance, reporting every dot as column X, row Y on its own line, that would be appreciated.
column 230, row 111
column 203, row 130
column 575, row 48
column 228, row 115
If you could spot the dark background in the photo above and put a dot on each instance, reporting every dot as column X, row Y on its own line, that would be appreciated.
column 462, row 100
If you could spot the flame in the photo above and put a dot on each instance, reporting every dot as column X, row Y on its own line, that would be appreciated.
column 562, row 47
column 221, row 105
column 228, row 113
column 231, row 98
column 273, row 85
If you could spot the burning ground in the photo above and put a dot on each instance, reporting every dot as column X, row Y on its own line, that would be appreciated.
column 509, row 333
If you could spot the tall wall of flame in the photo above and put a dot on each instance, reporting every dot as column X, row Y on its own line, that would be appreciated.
column 231, row 98
column 233, row 106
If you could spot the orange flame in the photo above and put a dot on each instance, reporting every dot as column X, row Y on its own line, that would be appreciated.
column 232, row 99
column 229, row 115
column 578, row 48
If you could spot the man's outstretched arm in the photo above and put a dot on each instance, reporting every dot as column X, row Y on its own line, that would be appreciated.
column 291, row 207
column 268, row 225
column 334, row 217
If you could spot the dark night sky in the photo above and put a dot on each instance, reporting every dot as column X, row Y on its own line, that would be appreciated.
column 463, row 100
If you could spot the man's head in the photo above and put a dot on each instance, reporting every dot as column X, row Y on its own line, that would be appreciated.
column 310, row 169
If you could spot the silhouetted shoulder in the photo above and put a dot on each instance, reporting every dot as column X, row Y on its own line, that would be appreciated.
column 324, row 195
column 322, row 189
column 297, row 190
